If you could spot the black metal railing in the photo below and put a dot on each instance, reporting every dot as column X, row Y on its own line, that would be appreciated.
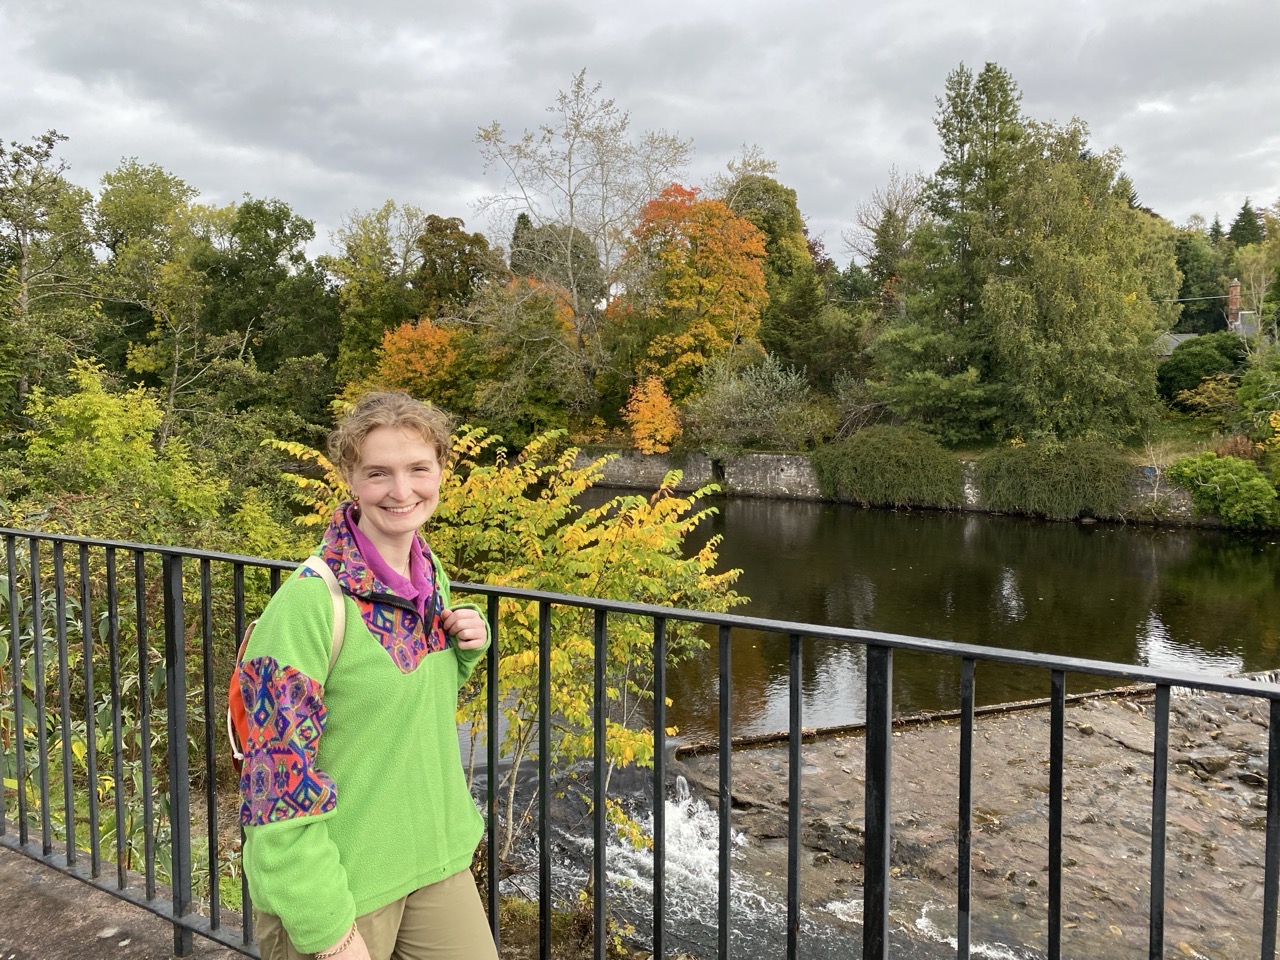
column 77, row 612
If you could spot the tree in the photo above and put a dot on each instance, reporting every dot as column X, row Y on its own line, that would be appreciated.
column 654, row 420
column 262, row 286
column 1202, row 292
column 1216, row 233
column 1070, row 312
column 587, row 175
column 882, row 232
column 1246, row 228
column 379, row 258
column 93, row 466
column 153, row 230
column 560, row 256
column 1033, row 290
column 935, row 362
column 699, row 290
column 981, row 133
column 455, row 266
column 220, row 310
column 519, row 362
column 422, row 359
column 46, row 263
column 1256, row 266
column 788, row 321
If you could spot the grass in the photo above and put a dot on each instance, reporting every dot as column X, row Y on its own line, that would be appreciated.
column 1176, row 435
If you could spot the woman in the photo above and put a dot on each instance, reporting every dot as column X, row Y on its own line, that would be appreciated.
column 359, row 828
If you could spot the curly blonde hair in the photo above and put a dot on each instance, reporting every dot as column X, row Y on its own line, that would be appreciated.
column 388, row 408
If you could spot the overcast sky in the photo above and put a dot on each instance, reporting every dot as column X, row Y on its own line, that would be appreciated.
column 334, row 107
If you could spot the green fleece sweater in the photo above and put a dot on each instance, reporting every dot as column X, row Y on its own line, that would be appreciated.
column 353, row 788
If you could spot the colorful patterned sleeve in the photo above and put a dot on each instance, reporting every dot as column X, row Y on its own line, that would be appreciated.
column 280, row 779
column 292, row 865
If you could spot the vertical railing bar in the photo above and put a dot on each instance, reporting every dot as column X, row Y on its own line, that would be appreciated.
column 795, row 738
column 726, row 792
column 179, row 776
column 209, row 706
column 240, row 622
column 144, row 720
column 90, row 713
column 491, row 776
column 1057, row 727
column 38, row 688
column 117, row 723
column 544, row 780
column 964, row 866
column 64, row 702
column 1159, row 813
column 15, row 651
column 275, row 581
column 659, row 787
column 879, row 739
column 1271, row 874
column 600, row 765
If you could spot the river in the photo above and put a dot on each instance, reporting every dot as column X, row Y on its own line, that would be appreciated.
column 1198, row 599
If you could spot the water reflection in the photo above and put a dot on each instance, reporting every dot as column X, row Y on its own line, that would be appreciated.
column 1195, row 599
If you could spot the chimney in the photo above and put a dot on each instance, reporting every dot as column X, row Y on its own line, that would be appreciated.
column 1233, row 305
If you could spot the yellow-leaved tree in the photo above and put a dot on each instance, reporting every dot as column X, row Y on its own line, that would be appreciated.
column 515, row 521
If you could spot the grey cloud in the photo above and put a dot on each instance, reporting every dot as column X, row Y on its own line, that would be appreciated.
column 334, row 107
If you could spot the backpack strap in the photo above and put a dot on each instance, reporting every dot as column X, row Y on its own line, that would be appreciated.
column 317, row 566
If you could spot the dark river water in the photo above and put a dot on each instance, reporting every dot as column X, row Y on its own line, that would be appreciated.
column 1199, row 600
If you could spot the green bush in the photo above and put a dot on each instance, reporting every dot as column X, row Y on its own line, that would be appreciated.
column 1059, row 480
column 1193, row 360
column 890, row 466
column 763, row 406
column 1232, row 488
column 1259, row 393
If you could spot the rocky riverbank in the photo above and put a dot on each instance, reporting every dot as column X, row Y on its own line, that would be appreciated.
column 1216, row 821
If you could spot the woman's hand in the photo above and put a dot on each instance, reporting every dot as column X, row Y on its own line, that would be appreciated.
column 466, row 626
column 355, row 950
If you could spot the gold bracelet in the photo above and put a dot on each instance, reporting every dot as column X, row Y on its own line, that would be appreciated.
column 334, row 951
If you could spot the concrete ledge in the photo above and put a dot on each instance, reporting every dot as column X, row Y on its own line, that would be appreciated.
column 790, row 476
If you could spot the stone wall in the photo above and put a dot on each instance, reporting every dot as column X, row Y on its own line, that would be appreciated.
column 791, row 477
column 632, row 470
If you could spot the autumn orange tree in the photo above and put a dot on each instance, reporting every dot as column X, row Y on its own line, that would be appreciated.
column 654, row 420
column 698, row 287
column 421, row 358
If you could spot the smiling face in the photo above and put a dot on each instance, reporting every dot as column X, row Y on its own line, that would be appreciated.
column 397, row 480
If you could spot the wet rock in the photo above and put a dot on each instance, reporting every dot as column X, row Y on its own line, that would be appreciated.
column 1209, row 762
column 1216, row 810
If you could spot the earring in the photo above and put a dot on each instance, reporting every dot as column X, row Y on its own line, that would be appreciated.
column 356, row 498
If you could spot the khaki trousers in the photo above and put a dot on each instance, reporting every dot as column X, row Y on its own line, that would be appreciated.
column 444, row 921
